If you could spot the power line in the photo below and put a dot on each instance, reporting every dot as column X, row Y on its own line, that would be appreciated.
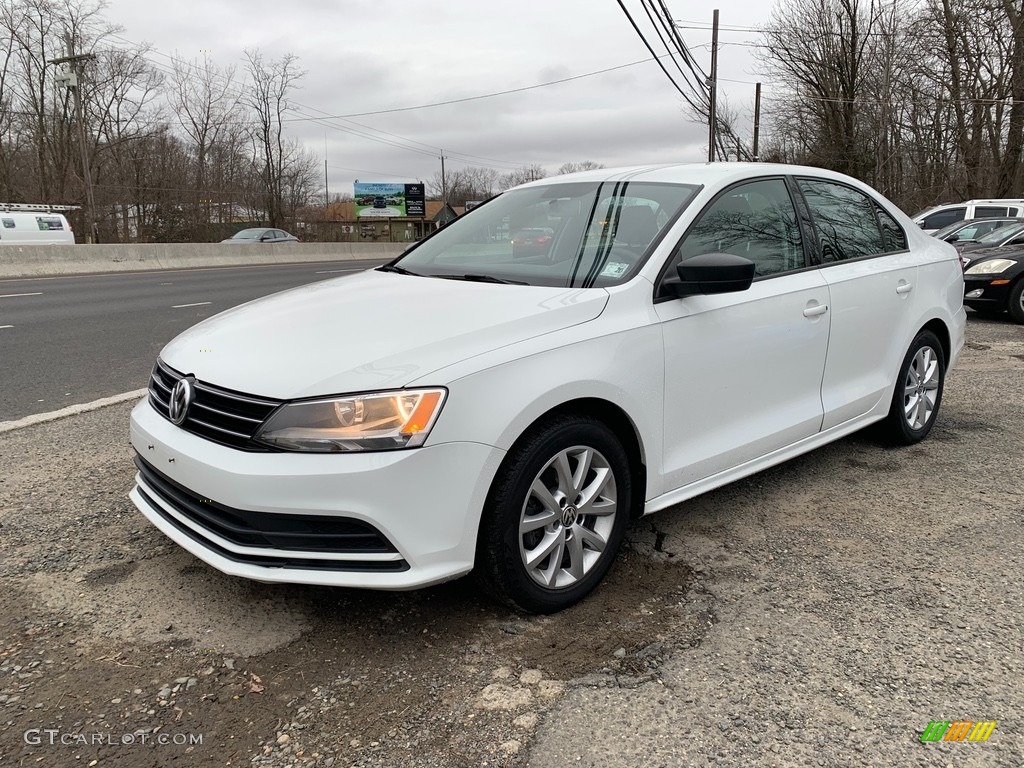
column 657, row 58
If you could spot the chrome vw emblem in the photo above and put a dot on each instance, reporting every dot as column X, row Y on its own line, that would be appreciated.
column 181, row 398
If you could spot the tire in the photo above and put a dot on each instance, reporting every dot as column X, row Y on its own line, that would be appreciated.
column 1015, row 302
column 918, row 392
column 540, row 550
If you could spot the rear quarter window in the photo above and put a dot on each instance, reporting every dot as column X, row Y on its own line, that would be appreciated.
column 8, row 223
column 990, row 212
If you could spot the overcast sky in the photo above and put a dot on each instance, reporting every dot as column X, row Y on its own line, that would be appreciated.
column 385, row 54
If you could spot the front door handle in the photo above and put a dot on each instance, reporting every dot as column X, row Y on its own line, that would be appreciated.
column 904, row 288
column 818, row 309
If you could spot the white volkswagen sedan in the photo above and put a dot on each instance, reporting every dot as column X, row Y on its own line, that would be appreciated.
column 468, row 407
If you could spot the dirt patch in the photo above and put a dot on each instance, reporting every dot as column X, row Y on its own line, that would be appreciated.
column 283, row 675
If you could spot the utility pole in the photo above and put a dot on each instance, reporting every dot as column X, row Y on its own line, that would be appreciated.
column 444, row 182
column 757, row 118
column 713, row 88
column 74, row 82
column 327, row 190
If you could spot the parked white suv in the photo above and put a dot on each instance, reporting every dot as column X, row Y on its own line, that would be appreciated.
column 941, row 216
column 464, row 409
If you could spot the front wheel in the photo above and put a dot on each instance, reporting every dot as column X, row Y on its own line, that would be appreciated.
column 556, row 515
column 1015, row 302
column 918, row 394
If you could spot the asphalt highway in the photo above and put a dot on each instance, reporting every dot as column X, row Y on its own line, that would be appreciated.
column 71, row 340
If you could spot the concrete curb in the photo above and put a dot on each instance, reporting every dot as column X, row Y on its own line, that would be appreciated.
column 17, row 261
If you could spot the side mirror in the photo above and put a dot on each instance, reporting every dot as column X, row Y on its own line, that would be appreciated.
column 952, row 238
column 711, row 273
column 264, row 238
column 921, row 224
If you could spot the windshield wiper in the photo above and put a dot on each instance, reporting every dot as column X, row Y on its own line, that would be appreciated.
column 480, row 279
column 398, row 269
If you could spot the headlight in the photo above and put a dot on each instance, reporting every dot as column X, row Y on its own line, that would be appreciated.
column 381, row 421
column 990, row 267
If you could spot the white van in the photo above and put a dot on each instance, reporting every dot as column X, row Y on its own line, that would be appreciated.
column 943, row 215
column 34, row 228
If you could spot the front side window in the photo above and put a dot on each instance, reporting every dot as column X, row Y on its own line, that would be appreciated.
column 756, row 221
column 845, row 220
column 577, row 235
column 944, row 218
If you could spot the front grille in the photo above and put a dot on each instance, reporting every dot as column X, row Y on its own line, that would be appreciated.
column 221, row 415
column 299, row 533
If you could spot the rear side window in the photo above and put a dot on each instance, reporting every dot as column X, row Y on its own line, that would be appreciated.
column 990, row 212
column 47, row 223
column 944, row 218
column 8, row 223
column 845, row 220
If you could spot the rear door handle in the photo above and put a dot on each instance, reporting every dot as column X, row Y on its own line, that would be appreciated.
column 904, row 288
column 814, row 311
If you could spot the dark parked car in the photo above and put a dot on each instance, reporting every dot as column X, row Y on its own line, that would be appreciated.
column 994, row 282
column 962, row 231
column 261, row 235
column 380, row 202
column 531, row 242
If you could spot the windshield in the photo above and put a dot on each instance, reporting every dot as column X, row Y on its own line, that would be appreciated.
column 247, row 234
column 577, row 235
column 998, row 235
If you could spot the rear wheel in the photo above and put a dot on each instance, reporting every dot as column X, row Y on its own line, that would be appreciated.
column 918, row 394
column 555, row 516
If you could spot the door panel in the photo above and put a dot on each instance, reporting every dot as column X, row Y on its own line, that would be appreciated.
column 872, row 304
column 742, row 373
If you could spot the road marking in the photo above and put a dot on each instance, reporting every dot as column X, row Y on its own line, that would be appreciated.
column 12, row 295
column 71, row 410
column 197, row 304
column 332, row 271
column 6, row 326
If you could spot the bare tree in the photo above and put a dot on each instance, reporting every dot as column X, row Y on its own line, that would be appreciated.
column 205, row 100
column 583, row 165
column 272, row 82
column 521, row 176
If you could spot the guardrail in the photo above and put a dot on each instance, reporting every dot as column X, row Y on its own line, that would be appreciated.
column 51, row 260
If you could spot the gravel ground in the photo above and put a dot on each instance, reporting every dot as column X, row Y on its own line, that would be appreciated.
column 820, row 613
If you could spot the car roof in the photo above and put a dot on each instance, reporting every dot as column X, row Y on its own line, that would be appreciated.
column 712, row 174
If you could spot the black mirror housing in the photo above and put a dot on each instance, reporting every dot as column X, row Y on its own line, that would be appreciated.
column 711, row 273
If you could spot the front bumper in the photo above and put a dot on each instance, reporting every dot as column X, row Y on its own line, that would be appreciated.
column 992, row 298
column 387, row 520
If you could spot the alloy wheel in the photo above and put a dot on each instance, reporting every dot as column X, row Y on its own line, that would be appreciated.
column 921, row 388
column 568, row 517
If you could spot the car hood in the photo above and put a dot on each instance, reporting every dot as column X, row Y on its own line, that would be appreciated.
column 372, row 330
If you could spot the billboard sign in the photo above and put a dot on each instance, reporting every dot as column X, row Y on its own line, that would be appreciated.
column 415, row 200
column 386, row 199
